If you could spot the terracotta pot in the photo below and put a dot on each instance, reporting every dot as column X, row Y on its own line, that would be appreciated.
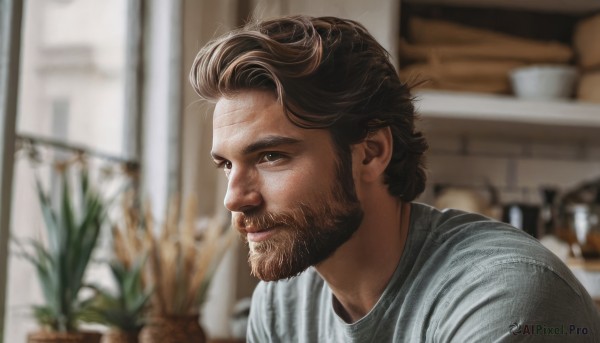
column 173, row 329
column 63, row 337
column 118, row 336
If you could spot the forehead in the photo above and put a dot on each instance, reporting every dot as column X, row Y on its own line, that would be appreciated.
column 248, row 117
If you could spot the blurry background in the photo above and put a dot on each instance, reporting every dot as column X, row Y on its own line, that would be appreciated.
column 110, row 77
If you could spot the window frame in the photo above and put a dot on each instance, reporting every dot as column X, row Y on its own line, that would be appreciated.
column 11, row 17
column 11, row 14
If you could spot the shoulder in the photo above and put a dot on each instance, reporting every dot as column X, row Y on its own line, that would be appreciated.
column 475, row 246
column 481, row 241
column 486, row 275
column 486, row 299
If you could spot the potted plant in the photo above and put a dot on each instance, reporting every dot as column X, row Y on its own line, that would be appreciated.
column 123, row 309
column 72, row 230
column 180, row 267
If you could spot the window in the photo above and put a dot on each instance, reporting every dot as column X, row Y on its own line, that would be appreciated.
column 73, row 66
column 10, row 18
column 72, row 93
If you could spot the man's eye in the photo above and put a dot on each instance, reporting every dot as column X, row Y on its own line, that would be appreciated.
column 226, row 166
column 223, row 165
column 271, row 157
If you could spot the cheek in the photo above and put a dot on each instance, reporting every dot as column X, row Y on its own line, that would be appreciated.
column 299, row 184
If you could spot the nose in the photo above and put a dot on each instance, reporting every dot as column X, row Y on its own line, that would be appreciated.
column 242, row 192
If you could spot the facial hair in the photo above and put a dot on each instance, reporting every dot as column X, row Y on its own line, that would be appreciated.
column 307, row 234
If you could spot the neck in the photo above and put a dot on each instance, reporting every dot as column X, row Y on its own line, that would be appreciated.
column 359, row 271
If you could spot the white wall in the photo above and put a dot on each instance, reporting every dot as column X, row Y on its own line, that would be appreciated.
column 518, row 168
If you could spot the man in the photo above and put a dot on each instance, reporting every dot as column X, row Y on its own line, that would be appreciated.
column 315, row 133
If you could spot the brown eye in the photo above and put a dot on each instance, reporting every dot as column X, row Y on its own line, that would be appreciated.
column 271, row 157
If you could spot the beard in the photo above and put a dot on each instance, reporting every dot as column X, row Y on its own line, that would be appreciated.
column 305, row 235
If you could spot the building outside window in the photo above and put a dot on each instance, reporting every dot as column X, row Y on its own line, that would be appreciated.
column 73, row 91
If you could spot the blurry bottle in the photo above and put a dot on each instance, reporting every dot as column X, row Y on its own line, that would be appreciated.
column 552, row 234
column 522, row 216
column 548, row 211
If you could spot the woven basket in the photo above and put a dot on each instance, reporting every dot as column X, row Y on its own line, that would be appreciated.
column 118, row 336
column 173, row 329
column 64, row 337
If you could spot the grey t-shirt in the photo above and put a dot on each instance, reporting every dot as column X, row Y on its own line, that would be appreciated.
column 462, row 278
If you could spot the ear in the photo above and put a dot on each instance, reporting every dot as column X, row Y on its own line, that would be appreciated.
column 375, row 154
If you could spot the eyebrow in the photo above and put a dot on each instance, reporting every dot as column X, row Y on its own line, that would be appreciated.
column 268, row 142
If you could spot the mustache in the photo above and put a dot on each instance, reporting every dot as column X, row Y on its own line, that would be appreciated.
column 266, row 220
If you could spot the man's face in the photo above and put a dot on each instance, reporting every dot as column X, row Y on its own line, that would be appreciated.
column 284, row 186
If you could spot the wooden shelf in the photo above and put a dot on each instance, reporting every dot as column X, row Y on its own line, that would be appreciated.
column 476, row 114
column 571, row 6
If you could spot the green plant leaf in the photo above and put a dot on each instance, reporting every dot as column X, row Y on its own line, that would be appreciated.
column 84, row 182
column 73, row 233
column 50, row 217
column 123, row 308
column 45, row 316
column 85, row 242
column 45, row 276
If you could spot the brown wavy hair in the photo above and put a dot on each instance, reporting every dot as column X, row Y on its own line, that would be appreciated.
column 327, row 73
